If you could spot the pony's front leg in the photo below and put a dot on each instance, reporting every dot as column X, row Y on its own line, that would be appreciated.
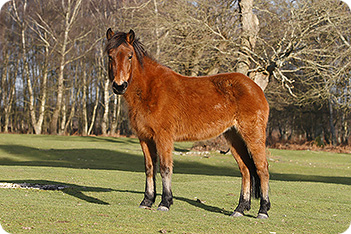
column 150, row 158
column 164, row 150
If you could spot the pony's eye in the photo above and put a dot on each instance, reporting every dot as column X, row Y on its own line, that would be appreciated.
column 130, row 57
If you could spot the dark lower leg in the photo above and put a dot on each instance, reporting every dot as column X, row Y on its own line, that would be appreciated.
column 244, row 202
column 164, row 145
column 265, row 205
column 150, row 193
column 167, row 197
column 150, row 157
column 244, row 205
column 242, row 157
column 263, row 174
column 245, row 194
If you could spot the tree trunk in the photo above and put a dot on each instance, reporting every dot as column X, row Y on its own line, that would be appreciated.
column 70, row 15
column 7, row 98
column 104, row 124
column 157, row 31
column 28, row 81
column 56, row 113
column 116, row 114
column 37, row 124
column 26, row 77
column 84, row 100
column 63, row 115
column 331, row 123
column 95, row 108
column 72, row 112
column 44, row 92
column 260, row 78
column 106, row 107
column 249, row 33
column 9, row 105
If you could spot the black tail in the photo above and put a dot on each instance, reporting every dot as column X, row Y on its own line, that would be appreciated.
column 255, row 181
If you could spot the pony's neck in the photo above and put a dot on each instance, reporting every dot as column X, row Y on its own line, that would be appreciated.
column 141, row 75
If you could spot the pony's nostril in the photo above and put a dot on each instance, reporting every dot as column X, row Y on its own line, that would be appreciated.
column 114, row 85
column 125, row 84
column 119, row 89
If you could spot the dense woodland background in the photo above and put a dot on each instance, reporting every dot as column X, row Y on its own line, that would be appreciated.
column 53, row 65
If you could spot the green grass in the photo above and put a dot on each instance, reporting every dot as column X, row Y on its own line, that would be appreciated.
column 310, row 191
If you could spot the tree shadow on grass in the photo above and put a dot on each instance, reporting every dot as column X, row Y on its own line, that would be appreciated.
column 100, row 159
column 134, row 162
column 121, row 140
column 311, row 178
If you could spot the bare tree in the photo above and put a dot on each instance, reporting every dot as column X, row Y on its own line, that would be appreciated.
column 305, row 46
column 66, row 40
column 53, row 70
column 8, row 84
column 70, row 13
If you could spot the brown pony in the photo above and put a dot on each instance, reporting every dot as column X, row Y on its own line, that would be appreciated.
column 165, row 107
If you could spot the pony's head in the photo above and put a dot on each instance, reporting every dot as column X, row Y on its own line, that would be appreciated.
column 120, row 54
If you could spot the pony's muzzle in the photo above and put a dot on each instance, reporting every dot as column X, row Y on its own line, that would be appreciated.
column 119, row 89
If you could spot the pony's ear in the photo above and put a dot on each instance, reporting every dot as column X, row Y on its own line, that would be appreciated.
column 130, row 37
column 109, row 34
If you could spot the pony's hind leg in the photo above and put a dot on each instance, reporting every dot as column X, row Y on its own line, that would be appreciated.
column 254, row 137
column 258, row 153
column 150, row 157
column 242, row 157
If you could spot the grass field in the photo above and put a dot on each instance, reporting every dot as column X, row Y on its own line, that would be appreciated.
column 104, row 179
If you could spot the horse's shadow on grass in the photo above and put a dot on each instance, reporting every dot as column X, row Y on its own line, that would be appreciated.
column 70, row 189
column 192, row 202
column 203, row 206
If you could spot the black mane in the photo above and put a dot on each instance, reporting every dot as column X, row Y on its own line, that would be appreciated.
column 121, row 38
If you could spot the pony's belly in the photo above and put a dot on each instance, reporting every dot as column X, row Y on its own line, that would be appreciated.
column 203, row 133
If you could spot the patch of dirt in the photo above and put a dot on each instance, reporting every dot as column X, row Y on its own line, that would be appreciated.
column 219, row 143
column 34, row 186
